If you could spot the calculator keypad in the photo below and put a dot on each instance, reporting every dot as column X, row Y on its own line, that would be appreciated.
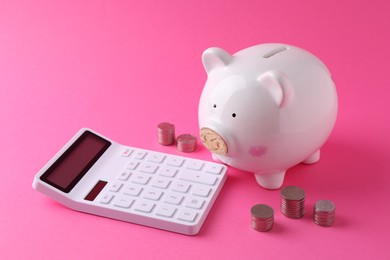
column 162, row 186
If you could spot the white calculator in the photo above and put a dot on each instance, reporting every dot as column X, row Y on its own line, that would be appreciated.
column 94, row 174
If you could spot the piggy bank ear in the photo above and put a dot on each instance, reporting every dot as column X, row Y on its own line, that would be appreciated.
column 278, row 86
column 215, row 58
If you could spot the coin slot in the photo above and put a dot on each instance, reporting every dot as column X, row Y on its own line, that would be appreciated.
column 274, row 52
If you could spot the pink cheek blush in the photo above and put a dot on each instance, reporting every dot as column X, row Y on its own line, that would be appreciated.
column 257, row 151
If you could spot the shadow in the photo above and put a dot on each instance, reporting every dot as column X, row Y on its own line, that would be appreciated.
column 346, row 168
column 216, row 213
column 349, row 173
column 340, row 222
column 277, row 228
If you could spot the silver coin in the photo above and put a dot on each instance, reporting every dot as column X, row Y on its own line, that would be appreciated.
column 186, row 143
column 262, row 211
column 293, row 193
column 292, row 202
column 166, row 133
column 325, row 206
column 324, row 213
column 262, row 217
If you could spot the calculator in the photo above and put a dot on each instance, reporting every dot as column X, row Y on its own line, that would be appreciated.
column 96, row 175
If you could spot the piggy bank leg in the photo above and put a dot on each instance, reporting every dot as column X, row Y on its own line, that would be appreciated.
column 270, row 180
column 315, row 157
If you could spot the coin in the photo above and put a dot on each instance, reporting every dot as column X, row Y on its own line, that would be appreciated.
column 293, row 193
column 213, row 141
column 292, row 202
column 186, row 143
column 262, row 217
column 166, row 133
column 324, row 213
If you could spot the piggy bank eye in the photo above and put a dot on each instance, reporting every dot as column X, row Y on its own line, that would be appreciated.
column 215, row 106
column 234, row 115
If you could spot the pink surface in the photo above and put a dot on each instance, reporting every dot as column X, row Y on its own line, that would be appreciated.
column 121, row 67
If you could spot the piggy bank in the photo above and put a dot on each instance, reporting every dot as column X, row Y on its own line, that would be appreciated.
column 265, row 109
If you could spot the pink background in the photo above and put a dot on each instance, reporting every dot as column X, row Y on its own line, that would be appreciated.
column 121, row 67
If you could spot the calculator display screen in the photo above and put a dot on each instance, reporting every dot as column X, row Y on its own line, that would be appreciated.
column 75, row 162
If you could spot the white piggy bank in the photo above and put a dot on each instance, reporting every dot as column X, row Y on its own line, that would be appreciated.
column 266, row 108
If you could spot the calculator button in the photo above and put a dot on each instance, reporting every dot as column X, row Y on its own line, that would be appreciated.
column 126, row 152
column 187, row 215
column 194, row 202
column 194, row 165
column 123, row 202
column 173, row 198
column 168, row 171
column 132, row 165
column 115, row 187
column 152, row 188
column 155, row 186
column 198, row 177
column 200, row 190
column 213, row 168
column 140, row 179
column 139, row 155
column 161, row 183
column 156, row 157
column 181, row 187
column 107, row 198
column 124, row 176
column 175, row 161
column 144, row 206
column 148, row 168
column 132, row 190
column 152, row 194
column 165, row 211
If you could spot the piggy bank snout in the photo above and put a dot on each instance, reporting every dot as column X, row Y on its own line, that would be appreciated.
column 213, row 141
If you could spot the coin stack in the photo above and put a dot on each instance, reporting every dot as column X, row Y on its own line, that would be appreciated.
column 262, row 217
column 324, row 212
column 166, row 133
column 292, row 201
column 186, row 143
